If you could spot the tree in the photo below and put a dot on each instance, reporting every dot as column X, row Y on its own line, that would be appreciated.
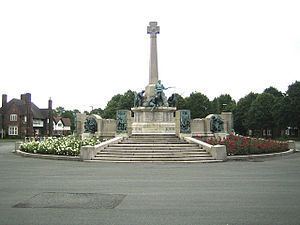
column 111, row 107
column 199, row 105
column 127, row 100
column 280, row 112
column 59, row 111
column 118, row 102
column 62, row 112
column 273, row 91
column 97, row 111
column 180, row 102
column 223, row 103
column 293, row 95
column 260, row 116
column 241, row 111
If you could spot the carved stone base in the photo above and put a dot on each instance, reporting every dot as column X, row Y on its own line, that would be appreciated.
column 149, row 91
column 159, row 120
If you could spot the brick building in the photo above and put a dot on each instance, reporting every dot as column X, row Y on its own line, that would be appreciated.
column 22, row 118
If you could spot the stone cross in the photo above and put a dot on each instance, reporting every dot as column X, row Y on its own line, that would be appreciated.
column 153, row 29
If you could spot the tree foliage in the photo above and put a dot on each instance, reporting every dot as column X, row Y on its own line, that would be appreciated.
column 260, row 115
column 71, row 114
column 118, row 102
column 223, row 103
column 241, row 112
column 293, row 95
column 270, row 110
column 180, row 102
column 199, row 105
column 273, row 91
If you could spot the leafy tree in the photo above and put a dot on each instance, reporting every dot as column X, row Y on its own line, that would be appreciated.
column 223, row 103
column 59, row 111
column 293, row 95
column 62, row 112
column 127, row 100
column 199, row 105
column 180, row 102
column 273, row 91
column 260, row 116
column 112, row 107
column 280, row 112
column 240, row 113
column 97, row 111
column 118, row 102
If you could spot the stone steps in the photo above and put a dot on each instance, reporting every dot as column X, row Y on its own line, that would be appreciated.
column 152, row 142
column 153, row 154
column 154, row 159
column 153, row 148
column 155, row 145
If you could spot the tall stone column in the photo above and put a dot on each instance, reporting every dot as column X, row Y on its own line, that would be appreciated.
column 153, row 30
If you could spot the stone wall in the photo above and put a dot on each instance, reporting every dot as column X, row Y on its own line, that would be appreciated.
column 201, row 127
column 105, row 127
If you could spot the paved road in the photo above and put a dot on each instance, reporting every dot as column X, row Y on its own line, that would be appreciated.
column 37, row 191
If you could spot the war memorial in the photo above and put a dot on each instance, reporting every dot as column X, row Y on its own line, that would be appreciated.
column 154, row 130
column 248, row 191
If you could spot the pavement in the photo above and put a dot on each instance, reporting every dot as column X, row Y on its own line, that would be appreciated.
column 255, row 192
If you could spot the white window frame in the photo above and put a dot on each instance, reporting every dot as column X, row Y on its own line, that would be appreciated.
column 13, row 117
column 13, row 130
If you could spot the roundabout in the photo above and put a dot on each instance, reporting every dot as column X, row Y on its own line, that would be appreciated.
column 236, row 192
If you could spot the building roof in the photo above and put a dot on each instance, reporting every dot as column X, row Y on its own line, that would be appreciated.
column 65, row 120
column 37, row 113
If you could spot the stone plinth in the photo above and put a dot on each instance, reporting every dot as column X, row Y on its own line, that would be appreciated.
column 148, row 121
column 228, row 121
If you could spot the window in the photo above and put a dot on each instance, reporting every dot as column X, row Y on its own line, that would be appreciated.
column 13, row 130
column 13, row 117
column 25, row 119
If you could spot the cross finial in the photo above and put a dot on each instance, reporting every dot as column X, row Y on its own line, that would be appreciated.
column 153, row 29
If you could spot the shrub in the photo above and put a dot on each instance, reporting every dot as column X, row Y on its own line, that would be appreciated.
column 59, row 146
column 241, row 145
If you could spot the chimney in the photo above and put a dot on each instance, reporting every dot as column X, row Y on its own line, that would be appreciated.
column 4, row 100
column 50, row 117
column 26, row 98
column 49, row 103
column 23, row 97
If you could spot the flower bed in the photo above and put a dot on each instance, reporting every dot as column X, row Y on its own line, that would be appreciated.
column 240, row 145
column 58, row 146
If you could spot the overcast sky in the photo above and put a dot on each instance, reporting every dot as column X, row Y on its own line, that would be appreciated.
column 81, row 53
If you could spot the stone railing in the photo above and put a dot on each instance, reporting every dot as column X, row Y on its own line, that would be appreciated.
column 218, row 152
column 89, row 152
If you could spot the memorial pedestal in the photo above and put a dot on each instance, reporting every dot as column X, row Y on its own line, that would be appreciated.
column 160, row 120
